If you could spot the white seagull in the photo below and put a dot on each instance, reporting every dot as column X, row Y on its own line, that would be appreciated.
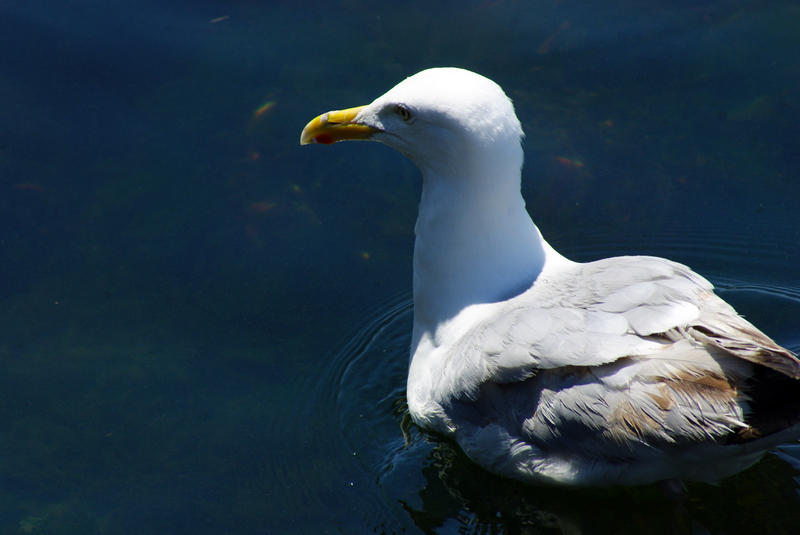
column 627, row 370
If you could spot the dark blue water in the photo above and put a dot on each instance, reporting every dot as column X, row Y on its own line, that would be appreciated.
column 205, row 326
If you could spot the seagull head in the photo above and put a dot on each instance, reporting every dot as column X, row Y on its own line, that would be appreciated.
column 441, row 118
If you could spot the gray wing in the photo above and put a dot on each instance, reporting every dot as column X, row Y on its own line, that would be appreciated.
column 598, row 312
column 612, row 358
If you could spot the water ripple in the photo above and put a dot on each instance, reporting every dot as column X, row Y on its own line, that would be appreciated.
column 768, row 289
column 349, row 424
column 757, row 247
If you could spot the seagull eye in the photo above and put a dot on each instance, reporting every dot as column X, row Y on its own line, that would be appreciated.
column 403, row 112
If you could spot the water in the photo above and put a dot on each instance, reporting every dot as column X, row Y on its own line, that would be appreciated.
column 205, row 326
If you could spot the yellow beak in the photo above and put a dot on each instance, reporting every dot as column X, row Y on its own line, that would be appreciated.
column 336, row 126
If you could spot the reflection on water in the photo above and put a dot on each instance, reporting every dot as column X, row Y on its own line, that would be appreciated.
column 439, row 490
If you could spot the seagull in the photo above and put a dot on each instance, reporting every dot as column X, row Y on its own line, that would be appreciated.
column 628, row 370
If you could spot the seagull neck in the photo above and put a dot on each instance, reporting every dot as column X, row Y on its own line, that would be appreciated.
column 475, row 242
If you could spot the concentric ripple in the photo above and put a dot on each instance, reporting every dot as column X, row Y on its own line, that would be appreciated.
column 755, row 252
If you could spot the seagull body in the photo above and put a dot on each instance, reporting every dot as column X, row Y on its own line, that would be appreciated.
column 627, row 370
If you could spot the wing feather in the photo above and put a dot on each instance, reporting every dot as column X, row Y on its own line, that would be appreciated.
column 596, row 313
